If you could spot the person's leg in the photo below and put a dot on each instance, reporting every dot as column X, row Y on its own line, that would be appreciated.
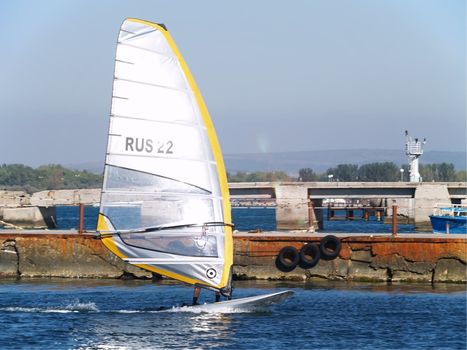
column 218, row 296
column 196, row 295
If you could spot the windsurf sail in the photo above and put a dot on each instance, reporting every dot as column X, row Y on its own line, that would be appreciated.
column 165, row 200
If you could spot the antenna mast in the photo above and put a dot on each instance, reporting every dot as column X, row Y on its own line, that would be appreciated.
column 413, row 150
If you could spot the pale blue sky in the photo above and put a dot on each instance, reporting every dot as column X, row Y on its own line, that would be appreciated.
column 275, row 75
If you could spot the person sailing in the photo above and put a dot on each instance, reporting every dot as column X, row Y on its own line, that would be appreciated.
column 196, row 293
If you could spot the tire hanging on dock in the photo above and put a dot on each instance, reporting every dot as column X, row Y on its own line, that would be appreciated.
column 330, row 247
column 309, row 255
column 287, row 259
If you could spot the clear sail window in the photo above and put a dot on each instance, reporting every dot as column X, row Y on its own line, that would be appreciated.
column 189, row 242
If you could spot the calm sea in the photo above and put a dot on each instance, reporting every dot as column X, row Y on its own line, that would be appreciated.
column 115, row 314
column 245, row 219
column 90, row 314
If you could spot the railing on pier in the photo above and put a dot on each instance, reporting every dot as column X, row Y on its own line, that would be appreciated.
column 352, row 212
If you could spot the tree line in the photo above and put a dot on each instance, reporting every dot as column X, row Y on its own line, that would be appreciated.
column 374, row 172
column 45, row 177
column 56, row 177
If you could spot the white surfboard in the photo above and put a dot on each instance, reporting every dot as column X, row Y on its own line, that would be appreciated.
column 257, row 302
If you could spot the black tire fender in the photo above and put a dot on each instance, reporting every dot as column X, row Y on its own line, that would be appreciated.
column 330, row 247
column 287, row 259
column 309, row 255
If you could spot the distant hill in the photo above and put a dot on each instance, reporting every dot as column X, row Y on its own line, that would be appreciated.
column 319, row 161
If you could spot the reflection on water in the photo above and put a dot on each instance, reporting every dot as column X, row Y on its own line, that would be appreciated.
column 150, row 329
column 357, row 286
column 57, row 284
column 212, row 329
column 113, row 314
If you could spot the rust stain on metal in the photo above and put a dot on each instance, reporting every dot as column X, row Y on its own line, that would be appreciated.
column 422, row 251
column 346, row 251
column 416, row 249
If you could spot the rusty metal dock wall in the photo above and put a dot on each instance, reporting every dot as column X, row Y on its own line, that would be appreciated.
column 378, row 258
column 405, row 258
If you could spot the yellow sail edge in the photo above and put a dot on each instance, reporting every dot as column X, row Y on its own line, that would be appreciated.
column 228, row 240
column 108, row 241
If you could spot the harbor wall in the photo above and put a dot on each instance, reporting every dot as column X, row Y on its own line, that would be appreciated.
column 61, row 255
column 29, row 217
column 292, row 200
column 426, row 198
column 362, row 258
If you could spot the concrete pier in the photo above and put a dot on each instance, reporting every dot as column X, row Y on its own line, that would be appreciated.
column 427, row 195
column 30, row 217
column 415, row 200
column 292, row 207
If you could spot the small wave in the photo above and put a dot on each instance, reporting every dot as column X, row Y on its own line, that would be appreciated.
column 35, row 309
column 205, row 308
column 74, row 307
column 215, row 309
column 77, row 306
column 128, row 311
column 91, row 307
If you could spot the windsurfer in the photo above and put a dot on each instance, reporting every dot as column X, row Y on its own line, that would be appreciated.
column 196, row 293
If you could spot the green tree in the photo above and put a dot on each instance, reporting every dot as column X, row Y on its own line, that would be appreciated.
column 258, row 176
column 387, row 171
column 438, row 172
column 307, row 174
column 344, row 172
column 461, row 176
column 46, row 177
column 446, row 172
column 277, row 176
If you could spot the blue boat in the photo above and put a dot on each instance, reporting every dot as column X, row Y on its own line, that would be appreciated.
column 451, row 218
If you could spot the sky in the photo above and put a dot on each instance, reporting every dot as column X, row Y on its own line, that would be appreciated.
column 276, row 76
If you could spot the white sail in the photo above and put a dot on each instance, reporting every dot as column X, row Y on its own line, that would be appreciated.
column 165, row 202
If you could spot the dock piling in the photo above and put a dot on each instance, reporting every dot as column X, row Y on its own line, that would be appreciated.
column 81, row 218
column 310, row 214
column 394, row 220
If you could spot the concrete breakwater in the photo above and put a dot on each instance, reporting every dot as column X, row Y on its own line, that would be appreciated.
column 38, row 254
column 296, row 203
column 432, row 259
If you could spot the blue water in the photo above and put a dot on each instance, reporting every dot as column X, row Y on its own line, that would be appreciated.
column 245, row 219
column 85, row 314
column 260, row 218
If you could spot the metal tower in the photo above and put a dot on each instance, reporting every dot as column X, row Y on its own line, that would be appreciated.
column 413, row 150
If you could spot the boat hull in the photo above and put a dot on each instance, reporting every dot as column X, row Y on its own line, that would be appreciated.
column 449, row 224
